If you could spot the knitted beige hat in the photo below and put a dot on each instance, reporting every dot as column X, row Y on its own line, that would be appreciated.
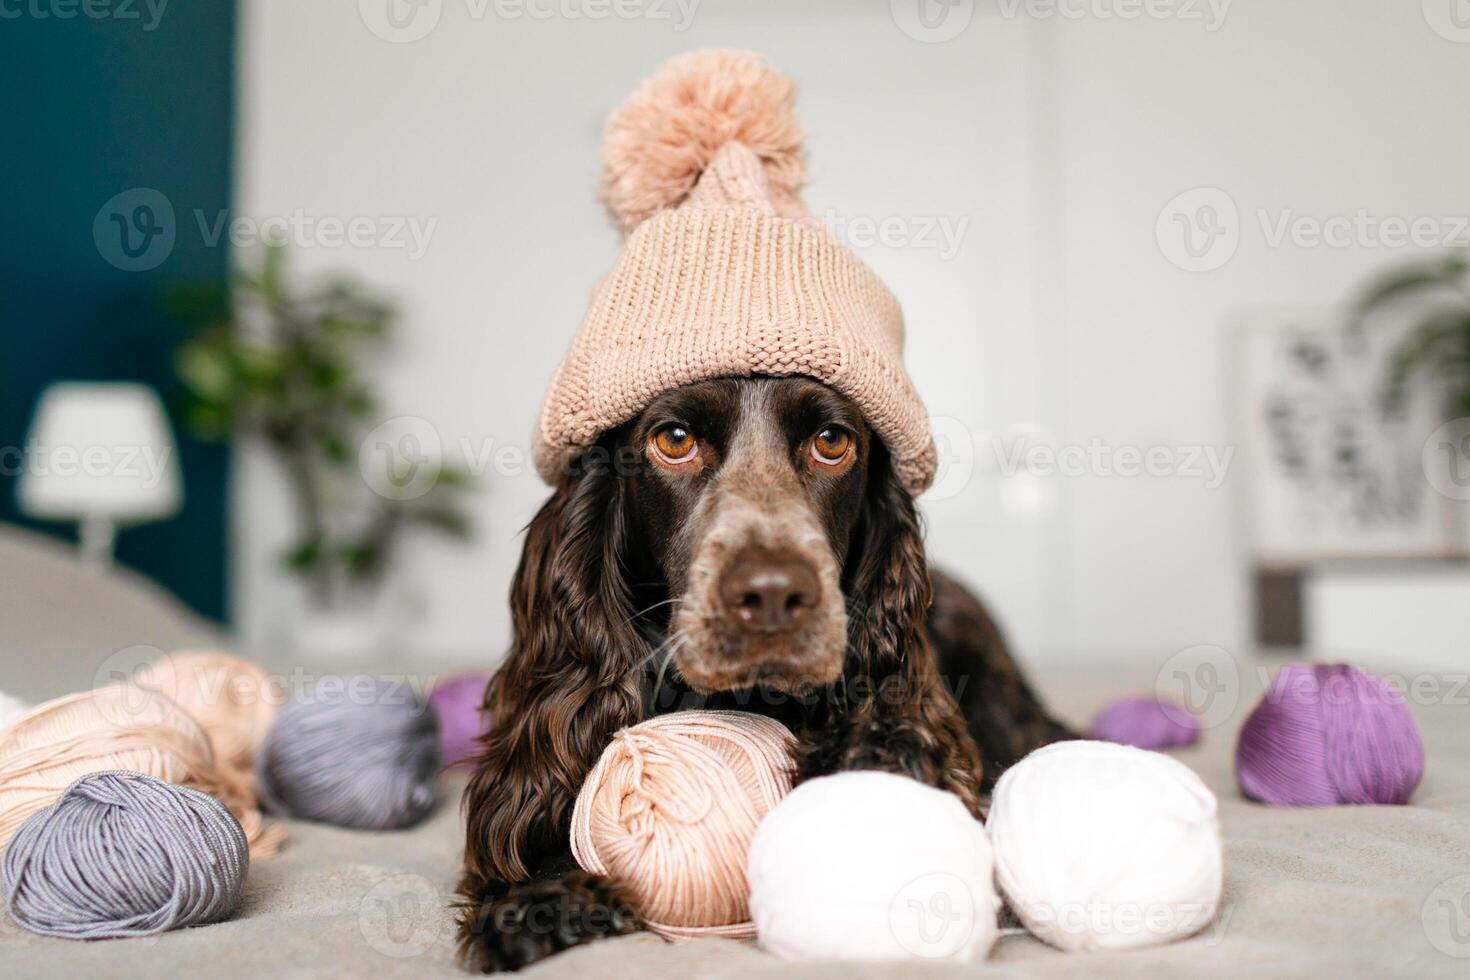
column 723, row 272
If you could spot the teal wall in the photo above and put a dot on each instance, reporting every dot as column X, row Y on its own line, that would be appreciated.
column 95, row 107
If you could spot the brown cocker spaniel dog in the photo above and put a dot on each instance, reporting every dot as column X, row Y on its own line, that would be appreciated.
column 743, row 543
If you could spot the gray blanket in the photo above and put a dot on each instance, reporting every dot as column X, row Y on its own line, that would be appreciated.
column 1362, row 891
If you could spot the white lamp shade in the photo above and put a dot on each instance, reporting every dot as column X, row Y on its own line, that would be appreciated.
column 101, row 451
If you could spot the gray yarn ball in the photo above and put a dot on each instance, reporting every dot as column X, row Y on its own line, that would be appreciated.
column 360, row 752
column 124, row 854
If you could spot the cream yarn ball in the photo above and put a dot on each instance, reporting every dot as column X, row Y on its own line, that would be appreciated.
column 119, row 727
column 670, row 809
column 1104, row 846
column 233, row 700
column 872, row 866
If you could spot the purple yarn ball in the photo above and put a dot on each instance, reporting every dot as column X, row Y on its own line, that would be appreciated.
column 457, row 699
column 1146, row 723
column 1326, row 735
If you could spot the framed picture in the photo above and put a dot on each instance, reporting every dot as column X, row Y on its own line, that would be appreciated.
column 1332, row 469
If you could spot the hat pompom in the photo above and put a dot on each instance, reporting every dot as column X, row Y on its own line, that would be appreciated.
column 658, row 142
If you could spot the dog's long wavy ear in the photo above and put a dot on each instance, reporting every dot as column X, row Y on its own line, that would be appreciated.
column 567, row 685
column 891, row 676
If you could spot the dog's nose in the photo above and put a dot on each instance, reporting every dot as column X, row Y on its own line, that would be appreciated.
column 769, row 593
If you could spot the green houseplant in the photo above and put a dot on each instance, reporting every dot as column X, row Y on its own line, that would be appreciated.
column 1434, row 352
column 286, row 365
column 1436, row 347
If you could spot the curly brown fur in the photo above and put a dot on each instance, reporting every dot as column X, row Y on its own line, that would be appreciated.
column 515, row 926
column 568, row 684
column 1001, row 711
column 621, row 611
column 896, row 713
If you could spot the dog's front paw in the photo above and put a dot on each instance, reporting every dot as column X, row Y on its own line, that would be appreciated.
column 513, row 926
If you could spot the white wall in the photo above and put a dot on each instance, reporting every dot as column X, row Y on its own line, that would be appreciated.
column 1053, row 142
column 1323, row 108
column 1396, row 616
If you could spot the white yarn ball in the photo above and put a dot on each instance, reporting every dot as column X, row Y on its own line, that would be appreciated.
column 872, row 866
column 1104, row 846
column 11, row 708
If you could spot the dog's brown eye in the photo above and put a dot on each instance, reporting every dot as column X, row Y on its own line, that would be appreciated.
column 831, row 445
column 675, row 444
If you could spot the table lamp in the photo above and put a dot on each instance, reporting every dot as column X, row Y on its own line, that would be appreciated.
column 102, row 455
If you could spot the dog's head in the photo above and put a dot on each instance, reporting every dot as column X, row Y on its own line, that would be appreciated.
column 745, row 495
column 748, row 532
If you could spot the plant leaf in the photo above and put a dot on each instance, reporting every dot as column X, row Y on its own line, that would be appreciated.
column 1406, row 281
column 205, row 369
column 448, row 520
column 1439, row 339
column 455, row 478
column 304, row 557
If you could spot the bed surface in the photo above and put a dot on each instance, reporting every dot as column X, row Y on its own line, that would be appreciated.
column 1351, row 891
column 1343, row 892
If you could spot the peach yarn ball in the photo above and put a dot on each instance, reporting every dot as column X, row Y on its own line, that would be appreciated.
column 118, row 727
column 233, row 700
column 669, row 812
